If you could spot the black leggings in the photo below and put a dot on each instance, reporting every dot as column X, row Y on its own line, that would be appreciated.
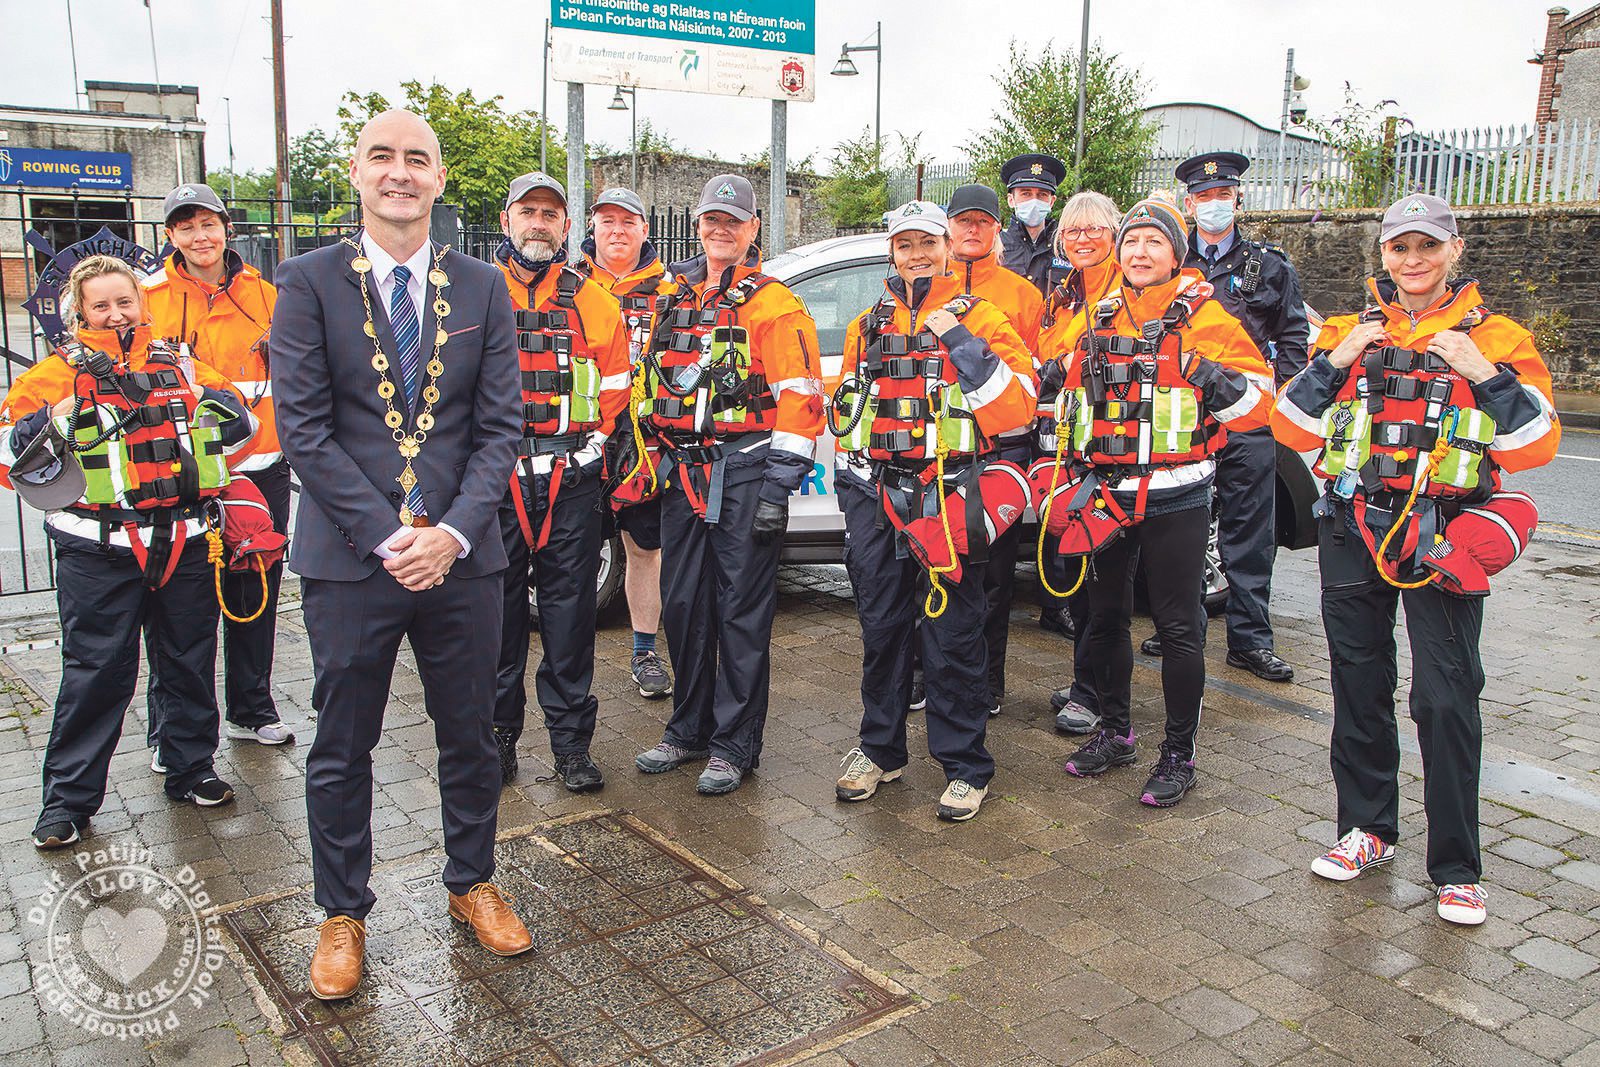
column 1173, row 547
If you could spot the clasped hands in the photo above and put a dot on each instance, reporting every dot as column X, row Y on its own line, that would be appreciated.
column 423, row 556
column 1453, row 346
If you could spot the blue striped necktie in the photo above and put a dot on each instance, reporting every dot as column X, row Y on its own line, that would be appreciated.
column 408, row 340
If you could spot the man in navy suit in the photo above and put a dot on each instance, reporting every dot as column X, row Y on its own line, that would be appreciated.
column 395, row 376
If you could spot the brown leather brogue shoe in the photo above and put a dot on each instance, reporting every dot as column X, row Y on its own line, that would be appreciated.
column 486, row 910
column 336, row 965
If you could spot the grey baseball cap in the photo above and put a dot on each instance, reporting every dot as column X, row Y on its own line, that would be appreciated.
column 729, row 193
column 524, row 184
column 191, row 194
column 617, row 196
column 1418, row 213
column 46, row 474
column 975, row 198
column 919, row 215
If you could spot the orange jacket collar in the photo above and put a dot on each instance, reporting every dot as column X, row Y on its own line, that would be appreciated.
column 1458, row 299
column 942, row 288
column 977, row 271
column 111, row 342
column 1153, row 301
column 627, row 281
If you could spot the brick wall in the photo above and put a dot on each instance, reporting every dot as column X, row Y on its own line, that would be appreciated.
column 1535, row 264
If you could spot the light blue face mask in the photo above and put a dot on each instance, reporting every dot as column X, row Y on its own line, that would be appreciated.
column 1214, row 216
column 1032, row 212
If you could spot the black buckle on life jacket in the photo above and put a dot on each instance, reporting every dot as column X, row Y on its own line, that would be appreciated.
column 898, row 344
column 905, row 408
column 1404, row 435
column 1402, row 387
column 639, row 302
column 547, row 381
column 906, row 368
column 1113, row 410
column 540, row 411
column 540, row 321
column 670, row 407
column 893, row 441
column 551, row 446
column 162, row 450
column 534, row 342
column 1113, row 446
column 1120, row 345
column 691, row 317
column 1405, row 360
column 683, row 343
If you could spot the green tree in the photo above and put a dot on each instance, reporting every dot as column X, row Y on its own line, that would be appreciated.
column 484, row 146
column 318, row 169
column 1362, row 136
column 1041, row 115
column 250, row 191
column 856, row 191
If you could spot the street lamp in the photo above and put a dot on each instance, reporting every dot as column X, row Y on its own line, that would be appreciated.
column 846, row 68
column 619, row 104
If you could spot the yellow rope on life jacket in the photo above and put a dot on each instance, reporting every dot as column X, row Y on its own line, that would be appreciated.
column 940, row 449
column 1044, row 523
column 636, row 397
column 1435, row 457
column 214, row 557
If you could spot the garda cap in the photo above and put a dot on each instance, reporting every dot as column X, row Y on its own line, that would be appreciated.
column 1418, row 213
column 919, row 215
column 728, row 193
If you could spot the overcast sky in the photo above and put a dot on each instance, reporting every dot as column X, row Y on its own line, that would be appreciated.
column 1469, row 66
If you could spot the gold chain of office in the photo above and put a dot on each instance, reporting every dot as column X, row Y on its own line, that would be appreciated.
column 410, row 444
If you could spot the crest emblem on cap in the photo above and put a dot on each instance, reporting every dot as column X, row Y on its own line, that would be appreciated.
column 1037, row 168
column 912, row 208
column 1211, row 166
column 185, row 193
column 1416, row 207
column 725, row 191
column 1141, row 212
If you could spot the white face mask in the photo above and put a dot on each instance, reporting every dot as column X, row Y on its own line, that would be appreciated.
column 1032, row 212
column 1214, row 216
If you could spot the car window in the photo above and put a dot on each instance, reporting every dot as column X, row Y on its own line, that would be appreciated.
column 835, row 297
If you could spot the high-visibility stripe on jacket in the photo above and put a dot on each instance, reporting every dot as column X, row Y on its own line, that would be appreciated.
column 984, row 360
column 1510, row 420
column 226, row 328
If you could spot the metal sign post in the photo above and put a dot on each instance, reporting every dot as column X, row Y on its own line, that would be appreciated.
column 778, row 181
column 577, row 201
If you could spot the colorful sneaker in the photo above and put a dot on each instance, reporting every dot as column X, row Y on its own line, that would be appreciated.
column 272, row 733
column 961, row 801
column 1463, row 905
column 1355, row 852
column 651, row 676
column 1100, row 753
column 1172, row 777
column 862, row 777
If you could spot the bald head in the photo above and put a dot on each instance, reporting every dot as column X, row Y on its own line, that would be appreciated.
column 397, row 170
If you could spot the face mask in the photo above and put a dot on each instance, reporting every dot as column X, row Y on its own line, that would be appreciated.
column 1214, row 216
column 1032, row 212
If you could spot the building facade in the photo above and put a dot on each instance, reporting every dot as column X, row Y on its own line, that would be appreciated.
column 1569, row 81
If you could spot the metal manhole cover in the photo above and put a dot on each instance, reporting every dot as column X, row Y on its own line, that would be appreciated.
column 642, row 955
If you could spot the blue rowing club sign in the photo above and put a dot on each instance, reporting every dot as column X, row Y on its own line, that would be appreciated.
column 47, row 167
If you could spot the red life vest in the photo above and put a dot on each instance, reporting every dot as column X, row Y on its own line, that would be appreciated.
column 139, row 437
column 1135, row 407
column 560, row 376
column 703, row 375
column 902, row 376
column 1405, row 401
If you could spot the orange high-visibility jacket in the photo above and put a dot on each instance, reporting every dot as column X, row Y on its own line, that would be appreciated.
column 226, row 328
column 1007, row 290
column 1004, row 398
column 1527, row 431
column 604, row 334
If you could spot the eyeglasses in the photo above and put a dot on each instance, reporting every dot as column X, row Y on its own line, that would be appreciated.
column 1093, row 233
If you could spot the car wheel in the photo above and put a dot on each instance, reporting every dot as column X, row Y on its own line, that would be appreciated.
column 1216, row 580
column 610, row 601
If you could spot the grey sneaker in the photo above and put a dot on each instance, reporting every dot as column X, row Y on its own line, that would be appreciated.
column 665, row 757
column 1074, row 718
column 961, row 801
column 273, row 733
column 719, row 777
column 651, row 676
column 862, row 777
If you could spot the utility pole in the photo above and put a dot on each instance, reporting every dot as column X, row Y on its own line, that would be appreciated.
column 72, row 42
column 227, row 102
column 1083, row 95
column 280, row 114
column 150, row 16
column 1283, row 129
column 544, row 102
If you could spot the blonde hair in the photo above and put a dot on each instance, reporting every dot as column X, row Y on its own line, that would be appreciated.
column 1087, row 208
column 87, row 270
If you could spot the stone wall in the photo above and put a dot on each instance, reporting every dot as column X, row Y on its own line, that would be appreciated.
column 672, row 182
column 1537, row 264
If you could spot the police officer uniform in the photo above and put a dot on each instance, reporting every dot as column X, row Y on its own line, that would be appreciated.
column 1035, row 260
column 1257, row 285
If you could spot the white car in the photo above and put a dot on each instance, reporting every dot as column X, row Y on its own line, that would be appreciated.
column 839, row 279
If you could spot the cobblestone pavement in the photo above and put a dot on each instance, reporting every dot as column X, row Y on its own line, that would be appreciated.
column 1066, row 924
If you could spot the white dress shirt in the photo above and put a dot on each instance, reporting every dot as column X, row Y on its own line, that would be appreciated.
column 383, row 265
